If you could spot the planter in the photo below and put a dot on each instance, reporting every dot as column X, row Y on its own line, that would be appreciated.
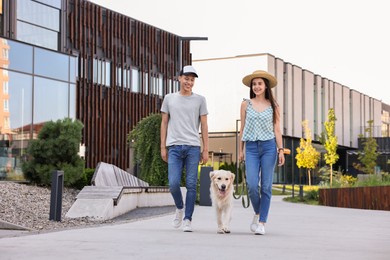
column 375, row 197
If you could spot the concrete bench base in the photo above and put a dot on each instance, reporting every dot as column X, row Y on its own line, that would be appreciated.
column 100, row 206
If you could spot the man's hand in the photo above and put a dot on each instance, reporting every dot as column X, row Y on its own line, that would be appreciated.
column 164, row 154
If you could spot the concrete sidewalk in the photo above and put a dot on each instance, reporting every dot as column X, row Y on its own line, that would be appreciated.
column 294, row 231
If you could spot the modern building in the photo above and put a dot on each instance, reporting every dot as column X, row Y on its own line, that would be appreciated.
column 301, row 95
column 73, row 58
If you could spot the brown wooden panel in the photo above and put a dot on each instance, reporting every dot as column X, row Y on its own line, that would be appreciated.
column 377, row 198
column 110, row 112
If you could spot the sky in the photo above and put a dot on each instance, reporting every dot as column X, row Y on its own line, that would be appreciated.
column 345, row 41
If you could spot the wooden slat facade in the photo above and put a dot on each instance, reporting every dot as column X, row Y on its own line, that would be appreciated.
column 377, row 198
column 109, row 113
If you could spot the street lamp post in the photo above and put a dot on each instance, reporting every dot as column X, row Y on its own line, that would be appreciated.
column 181, row 46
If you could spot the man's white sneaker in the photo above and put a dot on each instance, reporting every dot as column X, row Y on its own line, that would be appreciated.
column 187, row 226
column 260, row 230
column 254, row 223
column 178, row 218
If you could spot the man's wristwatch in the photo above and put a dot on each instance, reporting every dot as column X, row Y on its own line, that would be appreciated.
column 280, row 149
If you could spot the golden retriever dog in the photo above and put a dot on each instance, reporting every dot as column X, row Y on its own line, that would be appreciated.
column 221, row 193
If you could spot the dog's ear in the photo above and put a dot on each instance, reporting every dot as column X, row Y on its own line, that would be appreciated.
column 233, row 176
column 211, row 175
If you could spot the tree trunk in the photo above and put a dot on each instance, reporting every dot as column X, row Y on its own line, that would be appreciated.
column 331, row 175
column 308, row 173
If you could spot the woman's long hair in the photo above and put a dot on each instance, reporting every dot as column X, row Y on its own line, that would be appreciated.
column 268, row 95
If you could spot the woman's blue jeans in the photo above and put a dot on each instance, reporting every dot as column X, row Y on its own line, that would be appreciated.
column 260, row 164
column 183, row 157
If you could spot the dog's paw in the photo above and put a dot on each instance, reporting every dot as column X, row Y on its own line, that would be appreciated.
column 223, row 231
column 226, row 230
column 220, row 231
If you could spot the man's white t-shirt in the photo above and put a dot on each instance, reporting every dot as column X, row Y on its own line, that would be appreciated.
column 184, row 118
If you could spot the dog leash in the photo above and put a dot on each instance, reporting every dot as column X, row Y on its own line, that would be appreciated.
column 244, row 188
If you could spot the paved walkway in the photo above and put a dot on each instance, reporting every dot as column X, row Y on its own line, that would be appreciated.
column 294, row 231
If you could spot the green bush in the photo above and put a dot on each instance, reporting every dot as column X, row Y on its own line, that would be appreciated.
column 232, row 167
column 85, row 179
column 312, row 195
column 386, row 177
column 56, row 148
column 374, row 180
column 146, row 137
column 88, row 172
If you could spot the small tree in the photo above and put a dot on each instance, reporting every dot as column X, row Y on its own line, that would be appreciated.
column 330, row 144
column 369, row 155
column 147, row 153
column 56, row 148
column 307, row 156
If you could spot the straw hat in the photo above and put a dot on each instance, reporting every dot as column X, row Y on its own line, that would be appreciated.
column 260, row 74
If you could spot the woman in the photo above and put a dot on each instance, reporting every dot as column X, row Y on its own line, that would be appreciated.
column 260, row 134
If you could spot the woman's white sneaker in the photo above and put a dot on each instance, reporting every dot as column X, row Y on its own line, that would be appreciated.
column 187, row 226
column 260, row 230
column 178, row 218
column 254, row 223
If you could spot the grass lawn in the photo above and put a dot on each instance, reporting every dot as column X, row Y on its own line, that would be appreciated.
column 277, row 190
column 310, row 193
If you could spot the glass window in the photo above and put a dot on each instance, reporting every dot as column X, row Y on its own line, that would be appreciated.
column 88, row 68
column 15, row 125
column 176, row 86
column 50, row 100
column 20, row 102
column 51, row 64
column 146, row 83
column 72, row 101
column 160, row 86
column 5, row 53
column 98, row 72
column 5, row 105
column 54, row 3
column 153, row 85
column 73, row 69
column 95, row 71
column 101, row 72
column 107, row 73
column 20, row 56
column 118, row 76
column 5, row 87
column 135, row 81
column 1, row 17
column 38, row 14
column 6, row 123
column 385, row 117
column 125, row 77
column 170, row 87
column 37, row 35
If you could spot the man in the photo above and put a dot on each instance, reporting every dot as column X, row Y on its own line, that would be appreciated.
column 182, row 114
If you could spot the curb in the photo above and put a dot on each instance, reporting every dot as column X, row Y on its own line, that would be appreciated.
column 10, row 226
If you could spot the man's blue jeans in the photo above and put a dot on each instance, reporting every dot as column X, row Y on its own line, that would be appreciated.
column 260, row 164
column 183, row 157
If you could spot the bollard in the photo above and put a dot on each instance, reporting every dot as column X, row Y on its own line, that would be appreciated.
column 57, row 185
column 204, row 189
column 293, row 190
column 301, row 192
